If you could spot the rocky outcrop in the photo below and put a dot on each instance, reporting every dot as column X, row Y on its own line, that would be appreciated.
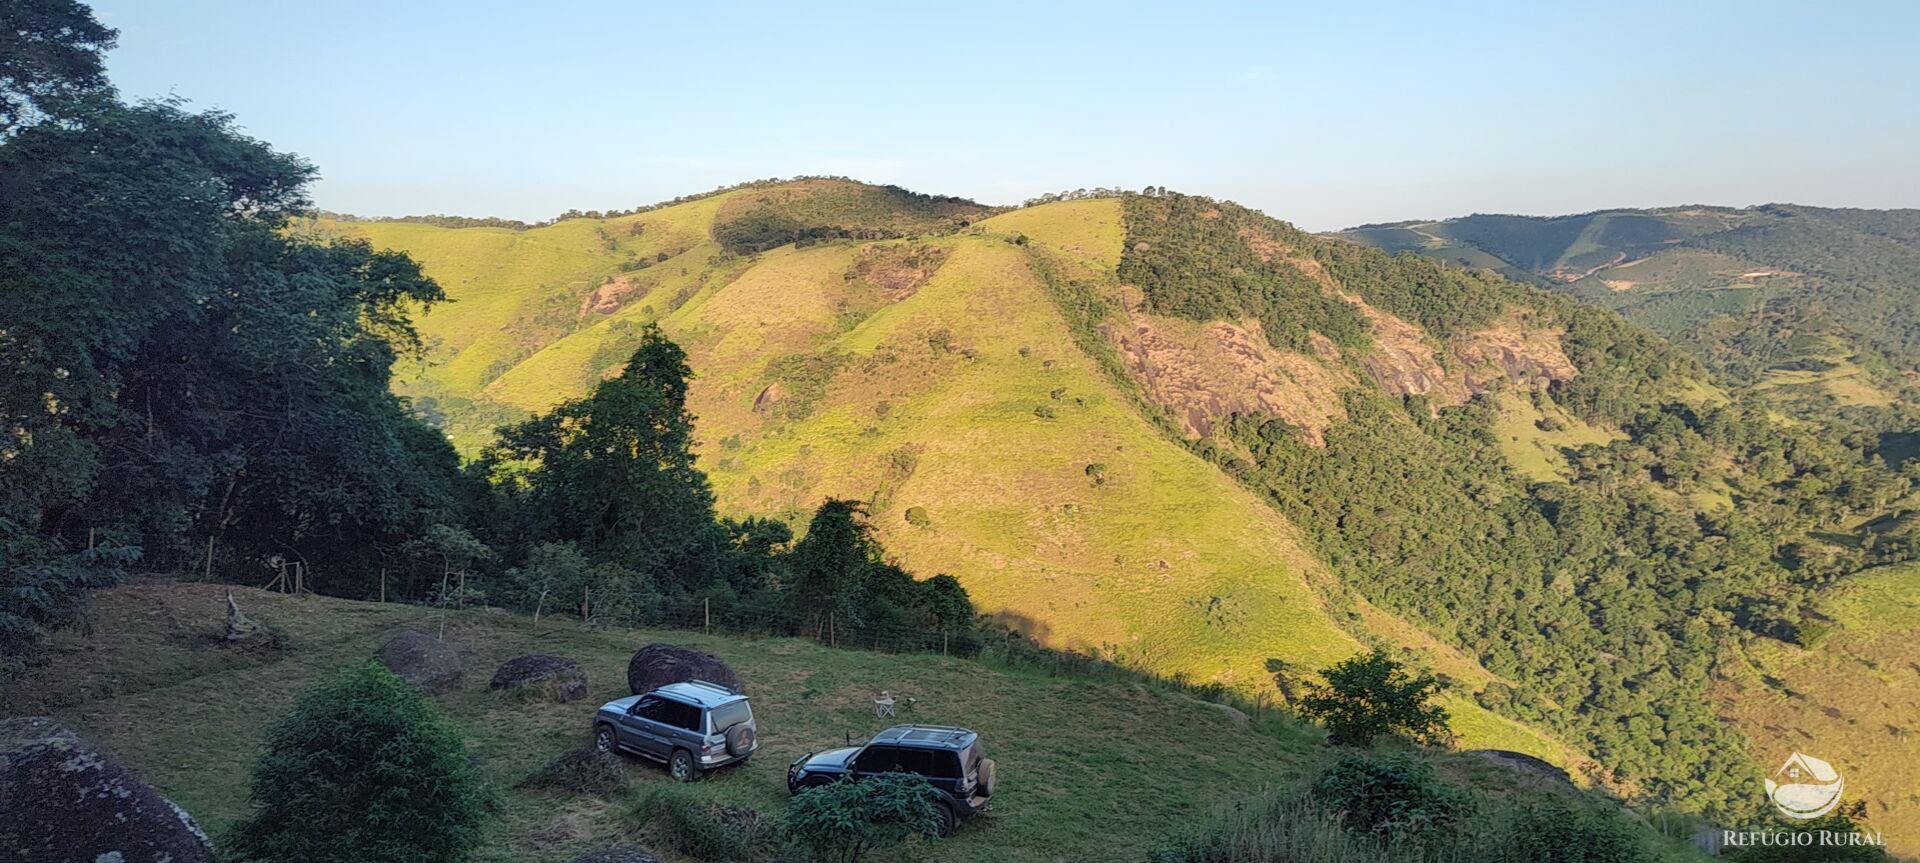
column 554, row 678
column 61, row 800
column 423, row 661
column 657, row 665
column 1203, row 373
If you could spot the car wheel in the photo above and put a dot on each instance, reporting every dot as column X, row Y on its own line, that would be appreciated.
column 603, row 738
column 682, row 766
column 949, row 819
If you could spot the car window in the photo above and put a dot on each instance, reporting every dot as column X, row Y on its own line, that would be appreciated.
column 646, row 708
column 946, row 765
column 730, row 714
column 681, row 715
column 875, row 759
column 915, row 761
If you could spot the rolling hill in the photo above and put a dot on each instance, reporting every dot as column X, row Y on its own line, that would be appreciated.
column 1185, row 437
column 1815, row 304
column 936, row 373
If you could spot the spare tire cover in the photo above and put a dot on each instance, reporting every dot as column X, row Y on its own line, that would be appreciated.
column 740, row 740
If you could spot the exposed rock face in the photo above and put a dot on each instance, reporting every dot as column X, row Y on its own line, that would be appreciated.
column 1205, row 373
column 423, row 661
column 556, row 678
column 1530, row 356
column 625, row 854
column 657, row 665
column 63, row 801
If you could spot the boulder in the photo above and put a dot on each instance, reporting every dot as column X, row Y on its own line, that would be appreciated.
column 422, row 660
column 1524, row 764
column 623, row 854
column 582, row 771
column 62, row 800
column 554, row 678
column 657, row 665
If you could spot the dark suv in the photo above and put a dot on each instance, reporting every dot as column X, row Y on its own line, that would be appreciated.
column 950, row 758
column 693, row 727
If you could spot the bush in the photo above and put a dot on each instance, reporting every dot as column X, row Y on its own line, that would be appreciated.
column 1372, row 695
column 701, row 830
column 363, row 769
column 1557, row 832
column 1278, row 828
column 842, row 821
column 1393, row 795
column 581, row 771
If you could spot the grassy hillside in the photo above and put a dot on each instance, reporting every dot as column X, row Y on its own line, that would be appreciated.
column 936, row 373
column 1755, row 291
column 155, row 688
column 1851, row 699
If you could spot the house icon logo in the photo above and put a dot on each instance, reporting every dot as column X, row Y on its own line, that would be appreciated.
column 1805, row 787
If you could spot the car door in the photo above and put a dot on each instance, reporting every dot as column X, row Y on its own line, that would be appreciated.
column 642, row 730
column 873, row 760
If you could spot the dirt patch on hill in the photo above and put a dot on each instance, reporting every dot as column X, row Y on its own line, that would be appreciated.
column 896, row 270
column 610, row 296
column 1203, row 373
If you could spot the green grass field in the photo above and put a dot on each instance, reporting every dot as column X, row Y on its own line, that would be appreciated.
column 1090, row 769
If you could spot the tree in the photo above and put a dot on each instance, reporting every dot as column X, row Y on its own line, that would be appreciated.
column 614, row 473
column 839, row 823
column 1372, row 695
column 363, row 769
column 49, row 57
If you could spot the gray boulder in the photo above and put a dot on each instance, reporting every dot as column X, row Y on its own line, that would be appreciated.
column 61, row 800
column 554, row 678
column 657, row 665
column 422, row 660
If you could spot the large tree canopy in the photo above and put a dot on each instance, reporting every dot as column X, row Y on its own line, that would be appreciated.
column 183, row 375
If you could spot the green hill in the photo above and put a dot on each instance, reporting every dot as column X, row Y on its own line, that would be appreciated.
column 936, row 373
column 1814, row 303
column 1182, row 436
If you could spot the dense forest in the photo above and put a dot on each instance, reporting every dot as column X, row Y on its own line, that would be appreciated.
column 1610, row 596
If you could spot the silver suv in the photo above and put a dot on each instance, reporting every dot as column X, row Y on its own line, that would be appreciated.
column 693, row 727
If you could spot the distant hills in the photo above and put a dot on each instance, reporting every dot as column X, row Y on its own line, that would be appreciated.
column 1814, row 302
column 1184, row 436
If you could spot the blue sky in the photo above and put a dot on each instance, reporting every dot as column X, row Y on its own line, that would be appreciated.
column 1326, row 117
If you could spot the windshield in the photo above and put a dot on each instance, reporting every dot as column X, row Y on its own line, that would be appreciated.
column 730, row 714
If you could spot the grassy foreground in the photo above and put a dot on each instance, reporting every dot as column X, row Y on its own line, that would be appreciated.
column 1090, row 770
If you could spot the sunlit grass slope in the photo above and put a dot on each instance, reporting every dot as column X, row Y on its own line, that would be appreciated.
column 1853, row 699
column 957, row 392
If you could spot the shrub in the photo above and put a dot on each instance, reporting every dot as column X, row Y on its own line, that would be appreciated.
column 1044, row 412
column 1559, row 832
column 701, row 830
column 842, row 821
column 1371, row 695
column 917, row 516
column 363, row 769
column 1393, row 795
